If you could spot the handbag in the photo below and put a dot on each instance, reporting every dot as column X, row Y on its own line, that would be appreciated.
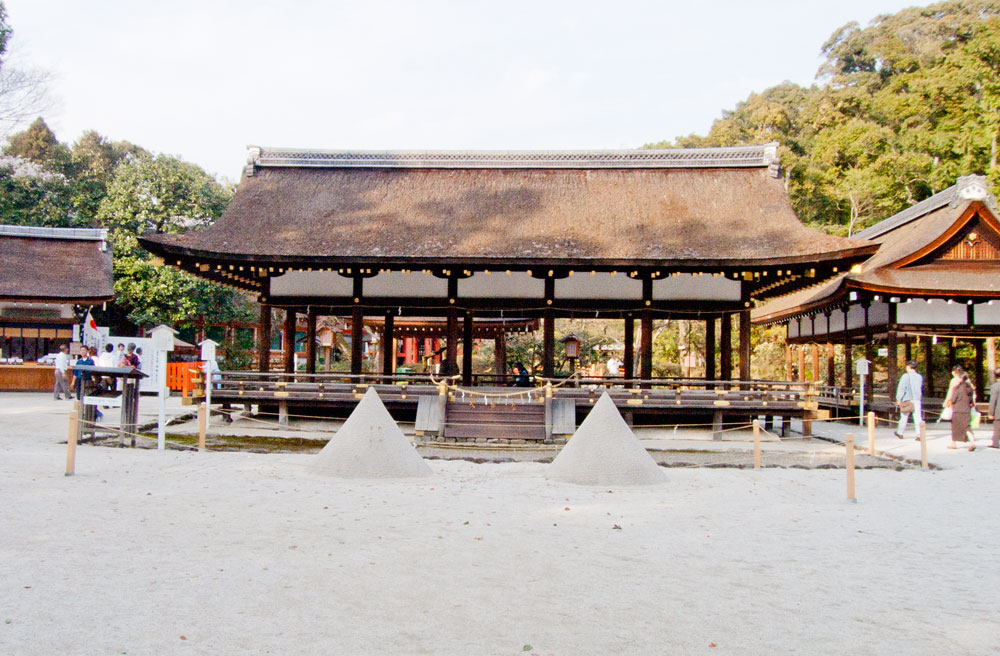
column 906, row 407
column 946, row 414
column 975, row 418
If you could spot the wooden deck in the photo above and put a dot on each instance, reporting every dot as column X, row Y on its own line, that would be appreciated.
column 546, row 413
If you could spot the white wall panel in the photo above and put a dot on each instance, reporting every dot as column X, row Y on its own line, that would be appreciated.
column 987, row 315
column 930, row 312
column 600, row 285
column 415, row 285
column 689, row 287
column 311, row 283
column 499, row 285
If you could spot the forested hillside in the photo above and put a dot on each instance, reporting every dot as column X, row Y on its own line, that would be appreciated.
column 901, row 108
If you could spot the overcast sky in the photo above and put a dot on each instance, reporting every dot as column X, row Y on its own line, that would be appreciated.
column 202, row 79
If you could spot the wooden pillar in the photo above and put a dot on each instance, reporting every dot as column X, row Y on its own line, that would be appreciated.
column 929, row 361
column 745, row 345
column 870, row 356
column 500, row 356
column 548, row 343
column 802, row 362
column 467, row 350
column 451, row 355
column 788, row 361
column 978, row 364
column 389, row 345
column 907, row 349
column 289, row 340
column 646, row 345
column 357, row 337
column 831, row 374
column 815, row 363
column 710, row 349
column 628, row 366
column 264, row 340
column 311, row 341
column 726, row 347
column 848, row 362
column 892, row 364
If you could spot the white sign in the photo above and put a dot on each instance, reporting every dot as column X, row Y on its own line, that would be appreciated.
column 861, row 367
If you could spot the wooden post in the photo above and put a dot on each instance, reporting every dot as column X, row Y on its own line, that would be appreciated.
column 815, row 363
column 548, row 343
column 871, row 433
column 500, row 357
column 802, row 363
column 467, row 343
column 710, row 348
column 923, row 445
column 451, row 355
column 311, row 341
column 71, row 437
column 745, row 345
column 628, row 366
column 849, row 446
column 357, row 339
column 283, row 412
column 726, row 347
column 991, row 359
column 264, row 340
column 848, row 363
column 202, row 417
column 979, row 378
column 388, row 345
column 646, row 346
column 756, row 444
column 789, row 369
column 929, row 360
column 831, row 379
column 892, row 364
column 289, row 341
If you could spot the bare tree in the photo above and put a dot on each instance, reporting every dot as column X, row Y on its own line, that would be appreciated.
column 23, row 95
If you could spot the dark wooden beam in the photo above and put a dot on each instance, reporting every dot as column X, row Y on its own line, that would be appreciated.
column 548, row 344
column 311, row 341
column 357, row 339
column 628, row 366
column 500, row 356
column 451, row 355
column 848, row 356
column 978, row 364
column 929, row 362
column 289, row 341
column 389, row 345
column 264, row 339
column 467, row 343
column 892, row 364
column 710, row 349
column 745, row 345
column 646, row 346
column 726, row 354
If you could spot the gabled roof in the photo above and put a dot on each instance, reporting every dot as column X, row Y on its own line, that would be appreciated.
column 66, row 265
column 714, row 206
column 910, row 261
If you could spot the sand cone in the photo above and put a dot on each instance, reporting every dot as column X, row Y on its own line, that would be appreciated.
column 370, row 445
column 605, row 451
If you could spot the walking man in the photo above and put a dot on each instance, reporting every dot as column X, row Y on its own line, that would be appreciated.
column 909, row 393
column 994, row 409
column 62, row 364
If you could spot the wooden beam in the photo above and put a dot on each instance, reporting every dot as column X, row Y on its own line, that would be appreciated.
column 264, row 340
column 745, row 345
column 802, row 363
column 892, row 364
column 710, row 348
column 831, row 374
column 467, row 343
column 929, row 362
column 451, row 355
column 389, row 345
column 848, row 356
column 646, row 347
column 548, row 344
column 500, row 357
column 311, row 341
column 289, row 340
column 726, row 350
column 978, row 364
column 628, row 366
column 357, row 337
column 815, row 363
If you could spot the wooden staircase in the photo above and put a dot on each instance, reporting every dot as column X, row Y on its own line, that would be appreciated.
column 482, row 422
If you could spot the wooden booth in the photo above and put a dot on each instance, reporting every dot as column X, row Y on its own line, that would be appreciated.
column 933, row 285
column 46, row 274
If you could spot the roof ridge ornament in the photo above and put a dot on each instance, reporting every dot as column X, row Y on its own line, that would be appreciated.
column 973, row 187
column 752, row 156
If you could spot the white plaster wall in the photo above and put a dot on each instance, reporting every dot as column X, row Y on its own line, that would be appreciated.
column 793, row 328
column 930, row 312
column 805, row 327
column 416, row 284
column 986, row 314
column 600, row 285
column 855, row 317
column 878, row 314
column 687, row 286
column 499, row 285
column 311, row 283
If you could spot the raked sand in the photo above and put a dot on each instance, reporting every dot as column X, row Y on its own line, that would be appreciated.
column 146, row 552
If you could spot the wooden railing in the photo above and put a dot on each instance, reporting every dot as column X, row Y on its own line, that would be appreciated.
column 182, row 376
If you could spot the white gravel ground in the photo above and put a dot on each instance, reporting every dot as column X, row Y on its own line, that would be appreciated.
column 146, row 552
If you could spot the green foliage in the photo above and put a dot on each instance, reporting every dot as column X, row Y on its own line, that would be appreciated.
column 906, row 105
column 38, row 144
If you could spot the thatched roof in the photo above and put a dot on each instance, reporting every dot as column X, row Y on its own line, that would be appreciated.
column 909, row 260
column 708, row 206
column 54, row 265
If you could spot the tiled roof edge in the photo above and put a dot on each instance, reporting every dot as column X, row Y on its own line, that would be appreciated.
column 764, row 155
column 37, row 232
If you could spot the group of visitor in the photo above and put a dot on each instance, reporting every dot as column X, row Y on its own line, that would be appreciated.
column 67, row 382
column 959, row 406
